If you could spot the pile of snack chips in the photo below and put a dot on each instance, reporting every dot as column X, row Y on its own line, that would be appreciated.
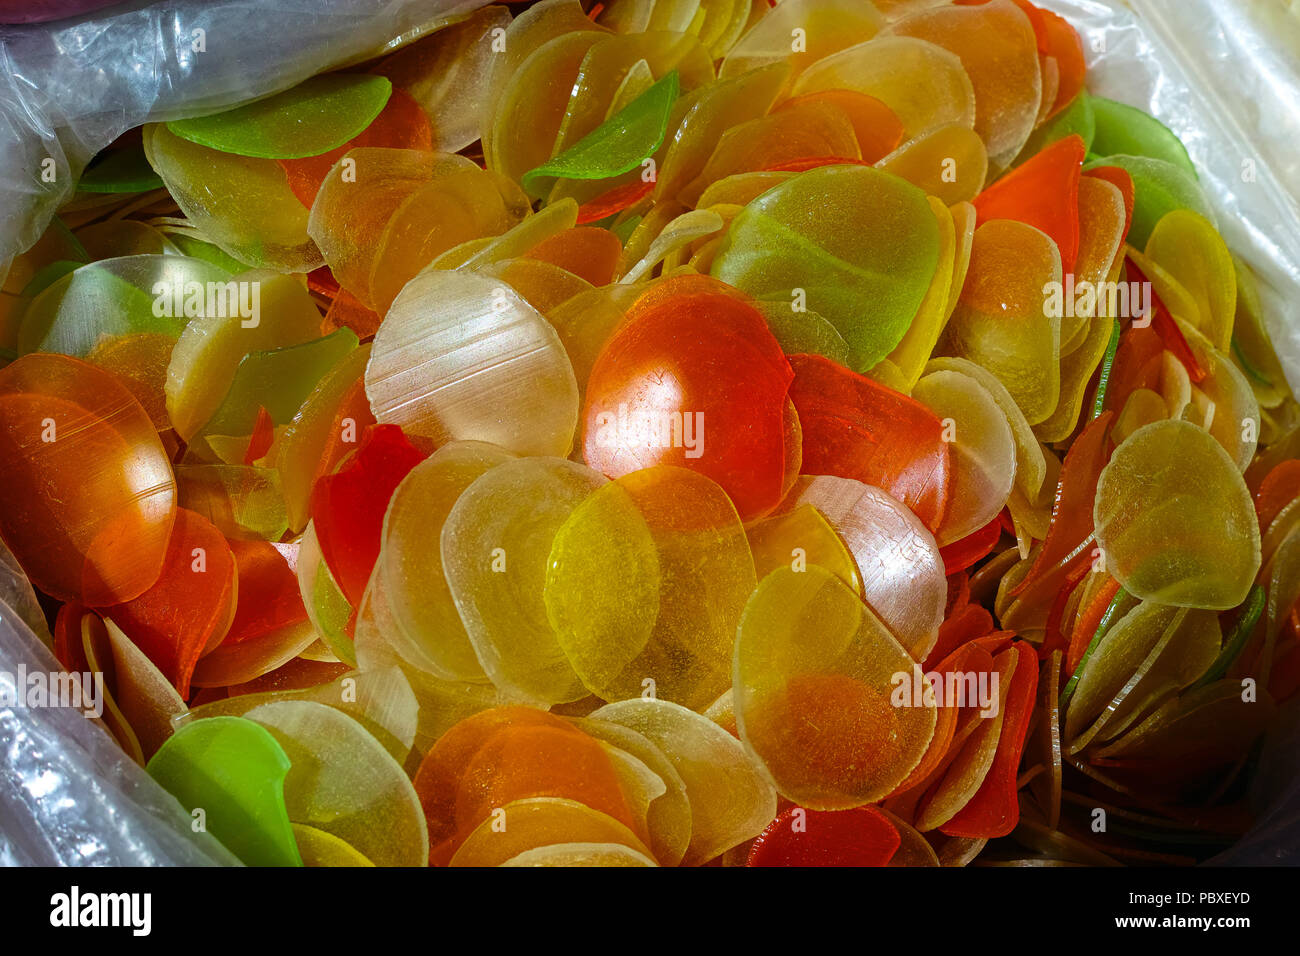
column 666, row 432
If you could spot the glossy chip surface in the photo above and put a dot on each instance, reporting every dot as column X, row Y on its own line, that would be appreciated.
column 1181, row 534
column 88, row 494
column 774, row 249
column 681, row 571
column 814, row 674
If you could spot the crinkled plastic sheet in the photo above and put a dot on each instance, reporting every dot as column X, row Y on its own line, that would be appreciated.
column 69, row 88
column 16, row 592
column 68, row 794
column 1221, row 73
column 1224, row 75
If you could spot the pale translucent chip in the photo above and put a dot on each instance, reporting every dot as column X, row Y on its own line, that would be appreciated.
column 949, row 162
column 1182, row 649
column 1189, row 247
column 742, row 188
column 682, row 231
column 459, row 204
column 999, row 321
column 516, row 241
column 612, row 69
column 905, row 363
column 1031, row 462
column 241, row 204
column 1115, row 659
column 731, row 802
column 319, row 848
column 723, row 713
column 1175, row 384
column 496, row 545
column 1102, row 217
column 924, row 84
column 586, row 322
column 359, row 196
column 913, row 849
column 447, row 73
column 1227, row 406
column 379, row 699
column 1077, row 371
column 429, row 632
column 95, row 304
column 964, row 217
column 461, row 356
column 646, row 583
column 327, row 607
column 344, row 782
column 815, row 680
column 94, row 640
column 139, row 361
column 669, row 817
column 1175, row 519
column 711, row 111
column 1142, row 407
column 983, row 451
column 527, row 32
column 145, row 697
column 797, row 538
column 209, row 350
column 524, row 825
column 999, row 52
column 442, row 703
column 641, row 786
column 543, row 285
column 790, row 134
column 532, row 104
column 902, row 572
column 723, row 23
column 825, row 27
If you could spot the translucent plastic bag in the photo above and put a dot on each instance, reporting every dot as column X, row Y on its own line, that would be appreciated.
column 69, row 88
column 1222, row 75
column 68, row 794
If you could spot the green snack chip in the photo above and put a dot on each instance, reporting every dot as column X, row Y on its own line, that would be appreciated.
column 1124, row 130
column 317, row 115
column 232, row 770
column 617, row 145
